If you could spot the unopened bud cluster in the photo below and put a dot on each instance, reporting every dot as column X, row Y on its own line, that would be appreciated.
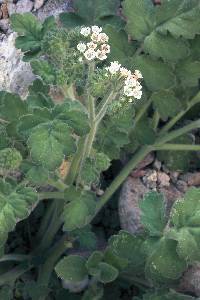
column 132, row 87
column 95, row 44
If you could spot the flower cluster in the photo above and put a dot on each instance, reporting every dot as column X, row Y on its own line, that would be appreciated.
column 132, row 86
column 95, row 45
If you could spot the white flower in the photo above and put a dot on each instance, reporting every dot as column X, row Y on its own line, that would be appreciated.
column 96, row 29
column 130, row 100
column 138, row 86
column 92, row 45
column 105, row 48
column 95, row 37
column 81, row 47
column 114, row 67
column 137, row 94
column 103, row 38
column 128, row 91
column 131, row 81
column 138, row 74
column 90, row 54
column 80, row 59
column 85, row 31
column 101, row 55
column 125, row 72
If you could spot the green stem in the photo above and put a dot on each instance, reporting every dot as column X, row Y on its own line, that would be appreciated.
column 178, row 147
column 51, row 195
column 138, row 157
column 174, row 120
column 57, row 184
column 75, row 163
column 47, row 268
column 178, row 132
column 156, row 119
column 14, row 257
column 104, row 104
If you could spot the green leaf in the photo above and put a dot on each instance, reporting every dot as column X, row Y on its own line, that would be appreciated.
column 129, row 247
column 94, row 292
column 144, row 132
column 12, row 107
column 74, row 114
column 164, row 261
column 86, row 238
column 163, row 77
column 108, row 273
column 10, row 159
column 166, row 47
column 93, row 262
column 49, row 142
column 39, row 95
column 140, row 17
column 80, row 210
column 71, row 268
column 32, row 175
column 44, row 70
column 153, row 213
column 186, row 211
column 119, row 51
column 93, row 167
column 26, row 23
column 166, row 103
column 189, row 73
column 91, row 12
column 15, row 205
column 30, row 31
column 180, row 18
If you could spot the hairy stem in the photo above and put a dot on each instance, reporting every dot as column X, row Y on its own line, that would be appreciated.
column 46, row 269
column 178, row 147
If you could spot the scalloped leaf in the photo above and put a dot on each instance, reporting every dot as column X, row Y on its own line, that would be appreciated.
column 15, row 205
column 153, row 213
column 80, row 209
column 72, row 268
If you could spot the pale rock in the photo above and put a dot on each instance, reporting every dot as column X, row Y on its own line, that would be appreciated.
column 163, row 179
column 4, row 25
column 15, row 75
column 22, row 6
column 38, row 4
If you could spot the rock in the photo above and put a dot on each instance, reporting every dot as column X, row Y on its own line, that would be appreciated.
column 132, row 192
column 144, row 163
column 22, row 6
column 157, row 164
column 150, row 179
column 4, row 25
column 171, row 193
column 52, row 7
column 174, row 176
column 191, row 280
column 163, row 179
column 15, row 75
column 192, row 179
column 38, row 4
column 182, row 186
column 4, row 11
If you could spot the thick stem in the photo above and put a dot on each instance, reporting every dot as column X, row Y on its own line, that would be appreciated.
column 178, row 147
column 156, row 119
column 75, row 163
column 47, row 268
column 176, row 133
column 138, row 157
column 51, row 195
column 174, row 120
column 104, row 105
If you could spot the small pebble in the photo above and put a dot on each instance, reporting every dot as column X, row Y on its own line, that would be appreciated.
column 38, row 4
column 157, row 164
column 163, row 179
column 181, row 185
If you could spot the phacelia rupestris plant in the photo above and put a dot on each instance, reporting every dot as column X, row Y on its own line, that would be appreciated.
column 89, row 106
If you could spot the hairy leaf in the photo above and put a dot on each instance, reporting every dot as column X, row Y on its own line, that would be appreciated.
column 71, row 268
column 153, row 213
column 80, row 210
